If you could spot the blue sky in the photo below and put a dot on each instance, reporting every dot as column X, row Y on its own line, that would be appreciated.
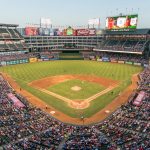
column 71, row 12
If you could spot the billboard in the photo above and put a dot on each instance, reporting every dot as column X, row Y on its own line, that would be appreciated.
column 56, row 32
column 122, row 22
column 60, row 32
column 45, row 22
column 31, row 31
column 139, row 98
column 95, row 21
column 44, row 31
column 92, row 31
column 32, row 60
column 82, row 32
column 51, row 32
column 69, row 31
column 85, row 32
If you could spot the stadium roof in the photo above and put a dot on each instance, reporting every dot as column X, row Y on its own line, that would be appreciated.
column 8, row 25
column 133, row 32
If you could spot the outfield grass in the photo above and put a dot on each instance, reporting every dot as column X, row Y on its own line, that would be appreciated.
column 26, row 73
column 87, row 89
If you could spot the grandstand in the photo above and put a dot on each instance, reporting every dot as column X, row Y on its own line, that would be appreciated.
column 125, row 42
column 132, row 46
column 62, row 44
column 13, row 48
column 24, row 126
column 11, row 39
column 41, row 43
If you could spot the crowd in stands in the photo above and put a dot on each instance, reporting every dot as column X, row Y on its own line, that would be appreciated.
column 128, row 128
column 21, row 56
column 12, row 46
column 9, row 33
column 125, row 45
column 27, row 127
column 49, row 55
column 88, row 55
column 15, row 56
column 123, row 57
column 11, row 39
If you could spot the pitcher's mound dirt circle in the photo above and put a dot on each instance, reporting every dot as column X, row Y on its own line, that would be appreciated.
column 99, row 116
column 43, row 84
column 76, row 88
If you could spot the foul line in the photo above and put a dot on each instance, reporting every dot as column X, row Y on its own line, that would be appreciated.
column 88, row 100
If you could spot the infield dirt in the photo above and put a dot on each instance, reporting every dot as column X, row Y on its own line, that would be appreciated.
column 99, row 116
column 44, row 83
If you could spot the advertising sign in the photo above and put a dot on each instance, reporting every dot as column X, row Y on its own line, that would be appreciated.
column 105, row 59
column 99, row 59
column 51, row 32
column 69, row 31
column 121, row 62
column 31, row 31
column 45, row 22
column 92, row 31
column 44, row 31
column 122, row 22
column 86, row 32
column 95, row 21
column 139, row 98
column 82, row 32
column 137, row 64
column 128, row 62
column 15, row 100
column 114, row 61
column 32, row 60
column 3, row 63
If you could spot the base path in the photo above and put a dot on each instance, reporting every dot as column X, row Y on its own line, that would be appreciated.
column 44, row 83
column 99, row 116
column 82, row 104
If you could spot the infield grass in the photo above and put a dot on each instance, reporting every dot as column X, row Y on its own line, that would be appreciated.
column 87, row 89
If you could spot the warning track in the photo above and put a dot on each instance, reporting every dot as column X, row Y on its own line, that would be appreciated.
column 121, row 99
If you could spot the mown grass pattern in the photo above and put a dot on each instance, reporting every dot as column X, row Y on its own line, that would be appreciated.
column 87, row 89
column 25, row 73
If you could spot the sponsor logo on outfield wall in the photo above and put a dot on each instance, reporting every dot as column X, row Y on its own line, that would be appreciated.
column 137, row 64
column 121, row 62
column 31, row 60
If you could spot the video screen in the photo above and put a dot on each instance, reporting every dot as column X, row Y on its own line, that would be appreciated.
column 122, row 22
column 31, row 31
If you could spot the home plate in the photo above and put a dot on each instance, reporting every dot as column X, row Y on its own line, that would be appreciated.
column 52, row 112
column 76, row 88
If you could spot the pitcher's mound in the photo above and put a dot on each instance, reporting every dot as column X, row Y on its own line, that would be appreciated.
column 76, row 88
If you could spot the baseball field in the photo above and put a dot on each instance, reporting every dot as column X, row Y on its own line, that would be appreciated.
column 74, row 88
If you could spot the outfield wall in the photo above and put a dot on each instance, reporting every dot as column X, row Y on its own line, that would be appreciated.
column 106, row 59
column 33, row 60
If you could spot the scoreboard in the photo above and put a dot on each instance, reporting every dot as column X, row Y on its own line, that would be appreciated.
column 122, row 22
